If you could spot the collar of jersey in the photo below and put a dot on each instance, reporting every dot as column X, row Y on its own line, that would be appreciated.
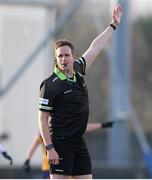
column 61, row 75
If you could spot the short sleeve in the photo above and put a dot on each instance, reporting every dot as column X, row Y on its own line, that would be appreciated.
column 80, row 65
column 46, row 97
column 1, row 149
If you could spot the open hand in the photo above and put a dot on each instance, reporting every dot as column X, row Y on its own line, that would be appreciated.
column 116, row 15
column 53, row 156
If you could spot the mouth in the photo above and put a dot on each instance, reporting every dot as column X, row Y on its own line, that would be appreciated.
column 64, row 65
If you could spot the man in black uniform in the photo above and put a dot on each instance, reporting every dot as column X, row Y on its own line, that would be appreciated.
column 64, row 103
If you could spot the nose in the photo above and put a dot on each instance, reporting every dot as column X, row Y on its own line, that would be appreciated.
column 63, row 58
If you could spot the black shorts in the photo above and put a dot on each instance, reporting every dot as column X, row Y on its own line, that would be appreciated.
column 75, row 159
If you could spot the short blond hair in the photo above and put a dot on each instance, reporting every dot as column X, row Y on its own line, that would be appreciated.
column 63, row 42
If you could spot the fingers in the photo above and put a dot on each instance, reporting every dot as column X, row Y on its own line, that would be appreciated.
column 119, row 10
column 55, row 161
column 51, row 161
column 116, row 15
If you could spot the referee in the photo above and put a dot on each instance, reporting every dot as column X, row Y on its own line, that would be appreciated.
column 64, row 108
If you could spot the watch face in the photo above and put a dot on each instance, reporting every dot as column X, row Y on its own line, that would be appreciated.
column 49, row 146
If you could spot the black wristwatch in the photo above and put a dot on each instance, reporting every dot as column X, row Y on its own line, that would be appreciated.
column 49, row 146
column 113, row 26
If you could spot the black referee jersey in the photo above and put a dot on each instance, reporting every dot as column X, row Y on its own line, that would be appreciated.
column 67, row 101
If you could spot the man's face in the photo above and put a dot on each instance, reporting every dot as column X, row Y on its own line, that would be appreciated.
column 64, row 58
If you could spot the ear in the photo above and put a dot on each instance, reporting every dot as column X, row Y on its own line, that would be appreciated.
column 55, row 60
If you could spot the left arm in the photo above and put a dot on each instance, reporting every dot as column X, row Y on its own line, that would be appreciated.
column 95, row 126
column 32, row 149
column 6, row 155
column 100, row 41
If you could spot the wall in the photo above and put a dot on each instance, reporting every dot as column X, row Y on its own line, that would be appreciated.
column 22, row 29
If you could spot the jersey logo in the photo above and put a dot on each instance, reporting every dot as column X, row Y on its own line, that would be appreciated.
column 55, row 79
column 43, row 101
column 68, row 91
column 59, row 170
column 84, row 84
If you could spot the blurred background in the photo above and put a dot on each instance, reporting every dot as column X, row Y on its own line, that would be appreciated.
column 119, row 82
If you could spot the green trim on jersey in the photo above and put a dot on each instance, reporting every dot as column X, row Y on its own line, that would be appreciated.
column 45, row 107
column 62, row 76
